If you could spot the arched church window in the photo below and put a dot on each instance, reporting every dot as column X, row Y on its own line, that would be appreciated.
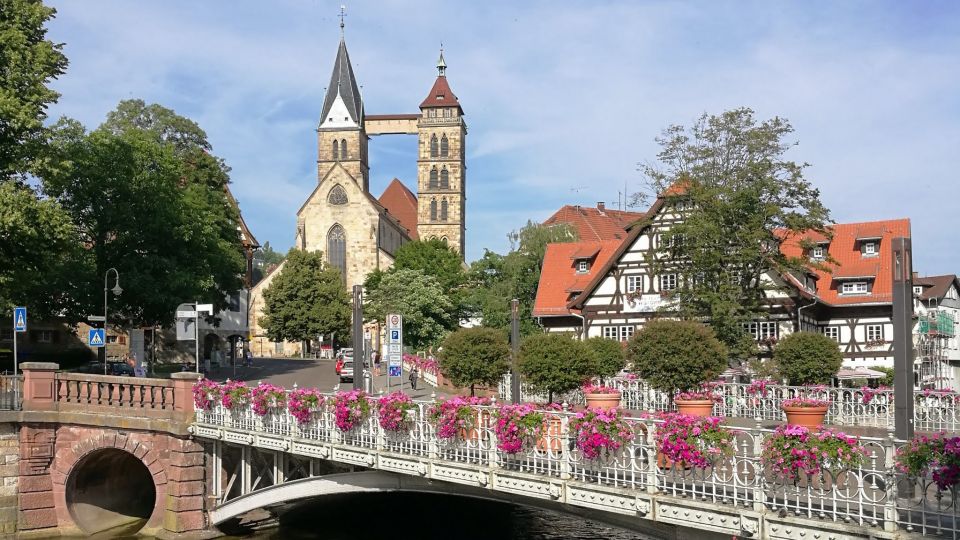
column 337, row 249
column 433, row 146
column 444, row 146
column 433, row 178
column 433, row 210
column 443, row 210
column 336, row 149
column 444, row 240
column 444, row 179
column 337, row 195
column 343, row 149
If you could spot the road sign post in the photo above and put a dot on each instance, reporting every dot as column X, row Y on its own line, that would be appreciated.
column 394, row 348
column 96, row 337
column 19, row 325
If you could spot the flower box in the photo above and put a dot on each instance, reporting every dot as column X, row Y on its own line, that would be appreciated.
column 692, row 441
column 793, row 451
column 601, row 397
column 806, row 412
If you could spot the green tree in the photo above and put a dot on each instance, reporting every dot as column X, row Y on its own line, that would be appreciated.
column 267, row 254
column 433, row 258
column 306, row 300
column 676, row 356
column 807, row 358
column 609, row 356
column 38, row 252
column 427, row 311
column 730, row 172
column 472, row 356
column 555, row 363
column 154, row 210
column 28, row 63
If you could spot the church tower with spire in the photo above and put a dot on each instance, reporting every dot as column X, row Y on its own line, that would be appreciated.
column 341, row 138
column 441, row 165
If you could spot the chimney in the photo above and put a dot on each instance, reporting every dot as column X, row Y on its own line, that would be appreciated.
column 601, row 206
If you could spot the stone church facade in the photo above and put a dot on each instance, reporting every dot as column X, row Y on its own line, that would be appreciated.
column 357, row 232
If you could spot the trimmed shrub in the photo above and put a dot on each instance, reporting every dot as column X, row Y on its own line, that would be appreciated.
column 676, row 356
column 555, row 363
column 807, row 358
column 608, row 354
column 472, row 356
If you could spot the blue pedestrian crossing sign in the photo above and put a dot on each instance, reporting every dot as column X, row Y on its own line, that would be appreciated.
column 394, row 371
column 20, row 319
column 96, row 337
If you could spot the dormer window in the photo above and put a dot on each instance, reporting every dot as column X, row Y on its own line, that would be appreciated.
column 869, row 248
column 854, row 287
column 818, row 253
column 917, row 290
column 583, row 266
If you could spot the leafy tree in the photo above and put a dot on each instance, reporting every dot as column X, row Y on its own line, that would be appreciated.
column 267, row 254
column 807, row 358
column 555, row 363
column 150, row 207
column 888, row 375
column 433, row 258
column 472, row 356
column 676, row 356
column 731, row 174
column 28, row 63
column 307, row 299
column 609, row 356
column 427, row 311
column 38, row 252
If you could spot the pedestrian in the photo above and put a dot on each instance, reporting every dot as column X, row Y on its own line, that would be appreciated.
column 414, row 375
column 376, row 363
column 249, row 358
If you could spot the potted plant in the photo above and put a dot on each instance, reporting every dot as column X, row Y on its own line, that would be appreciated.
column 555, row 363
column 935, row 457
column 677, row 358
column 601, row 397
column 794, row 451
column 457, row 417
column 806, row 411
column 692, row 441
column 305, row 403
column 599, row 433
column 394, row 412
column 809, row 359
column 608, row 355
column 350, row 409
column 516, row 426
column 205, row 394
column 268, row 398
column 472, row 356
column 234, row 394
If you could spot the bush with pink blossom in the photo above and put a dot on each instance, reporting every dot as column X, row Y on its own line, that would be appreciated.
column 758, row 387
column 792, row 451
column 518, row 425
column 393, row 411
column 599, row 432
column 305, row 403
column 268, row 398
column 205, row 394
column 350, row 409
column 936, row 456
column 235, row 394
column 694, row 440
column 454, row 416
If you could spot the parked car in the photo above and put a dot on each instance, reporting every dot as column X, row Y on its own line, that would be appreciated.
column 346, row 371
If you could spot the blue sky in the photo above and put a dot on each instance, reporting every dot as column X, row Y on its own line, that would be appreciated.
column 563, row 99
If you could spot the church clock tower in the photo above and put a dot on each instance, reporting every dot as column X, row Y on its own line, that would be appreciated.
column 341, row 137
column 441, row 165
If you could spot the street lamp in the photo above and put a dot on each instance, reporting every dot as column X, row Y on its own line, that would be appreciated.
column 116, row 291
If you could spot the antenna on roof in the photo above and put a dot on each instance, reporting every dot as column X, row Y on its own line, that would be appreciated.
column 343, row 13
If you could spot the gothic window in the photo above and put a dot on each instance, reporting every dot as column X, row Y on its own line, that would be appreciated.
column 444, row 240
column 433, row 146
column 336, row 149
column 443, row 210
column 433, row 178
column 444, row 179
column 343, row 149
column 433, row 210
column 337, row 195
column 444, row 146
column 337, row 249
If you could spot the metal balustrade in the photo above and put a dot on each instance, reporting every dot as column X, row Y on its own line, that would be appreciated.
column 11, row 392
column 873, row 496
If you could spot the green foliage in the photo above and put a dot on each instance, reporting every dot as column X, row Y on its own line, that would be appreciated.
column 37, row 250
column 888, row 375
column 732, row 174
column 150, row 206
column 433, row 258
column 28, row 63
column 807, row 358
column 609, row 355
column 676, row 356
column 307, row 299
column 426, row 308
column 472, row 356
column 267, row 254
column 495, row 279
column 555, row 363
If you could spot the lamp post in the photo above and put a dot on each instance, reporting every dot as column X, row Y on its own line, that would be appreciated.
column 116, row 291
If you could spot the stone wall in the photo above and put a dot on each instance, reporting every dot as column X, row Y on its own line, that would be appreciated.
column 9, row 476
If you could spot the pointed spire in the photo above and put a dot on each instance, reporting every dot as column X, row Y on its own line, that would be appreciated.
column 440, row 95
column 342, row 106
column 441, row 65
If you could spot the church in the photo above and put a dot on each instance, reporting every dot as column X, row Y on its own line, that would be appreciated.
column 356, row 231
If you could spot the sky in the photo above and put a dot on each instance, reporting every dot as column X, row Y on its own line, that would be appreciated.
column 563, row 100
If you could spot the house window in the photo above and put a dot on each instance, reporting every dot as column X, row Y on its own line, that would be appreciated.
column 234, row 302
column 343, row 149
column 668, row 282
column 583, row 267
column 762, row 330
column 337, row 249
column 619, row 333
column 434, row 150
column 443, row 210
column 444, row 146
column 610, row 332
column 870, row 248
column 337, row 196
column 336, row 149
column 918, row 291
column 818, row 252
column 112, row 340
column 854, row 287
column 626, row 332
column 278, row 347
column 43, row 336
column 444, row 179
column 832, row 332
column 634, row 283
column 433, row 178
column 433, row 210
column 874, row 332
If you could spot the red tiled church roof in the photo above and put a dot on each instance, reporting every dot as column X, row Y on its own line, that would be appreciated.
column 440, row 95
column 559, row 279
column 402, row 204
column 595, row 224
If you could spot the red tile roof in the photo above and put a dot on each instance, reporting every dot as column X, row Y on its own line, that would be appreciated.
column 402, row 204
column 845, row 250
column 935, row 286
column 559, row 279
column 594, row 224
column 440, row 95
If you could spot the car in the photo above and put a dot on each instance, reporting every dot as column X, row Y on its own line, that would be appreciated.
column 120, row 368
column 346, row 371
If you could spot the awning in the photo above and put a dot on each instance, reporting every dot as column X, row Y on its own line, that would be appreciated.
column 859, row 373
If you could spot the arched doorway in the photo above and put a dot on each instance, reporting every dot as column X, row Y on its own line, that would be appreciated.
column 110, row 490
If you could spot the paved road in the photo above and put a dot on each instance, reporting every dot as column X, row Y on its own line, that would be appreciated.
column 314, row 373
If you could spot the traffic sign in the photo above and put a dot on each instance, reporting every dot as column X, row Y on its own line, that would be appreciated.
column 394, row 348
column 395, row 336
column 205, row 308
column 96, row 318
column 186, row 314
column 20, row 319
column 96, row 337
column 394, row 359
column 394, row 371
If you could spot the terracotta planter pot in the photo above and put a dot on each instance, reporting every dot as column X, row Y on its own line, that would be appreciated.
column 551, row 442
column 695, row 407
column 664, row 462
column 602, row 401
column 808, row 417
column 480, row 420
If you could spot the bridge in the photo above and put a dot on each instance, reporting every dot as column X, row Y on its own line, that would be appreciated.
column 87, row 453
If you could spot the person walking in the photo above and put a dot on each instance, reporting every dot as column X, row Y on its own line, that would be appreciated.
column 414, row 375
column 376, row 363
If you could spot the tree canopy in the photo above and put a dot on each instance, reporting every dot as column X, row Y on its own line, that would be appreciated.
column 433, row 258
column 740, row 195
column 472, row 356
column 306, row 300
column 608, row 354
column 676, row 356
column 807, row 358
column 555, row 363
column 428, row 314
